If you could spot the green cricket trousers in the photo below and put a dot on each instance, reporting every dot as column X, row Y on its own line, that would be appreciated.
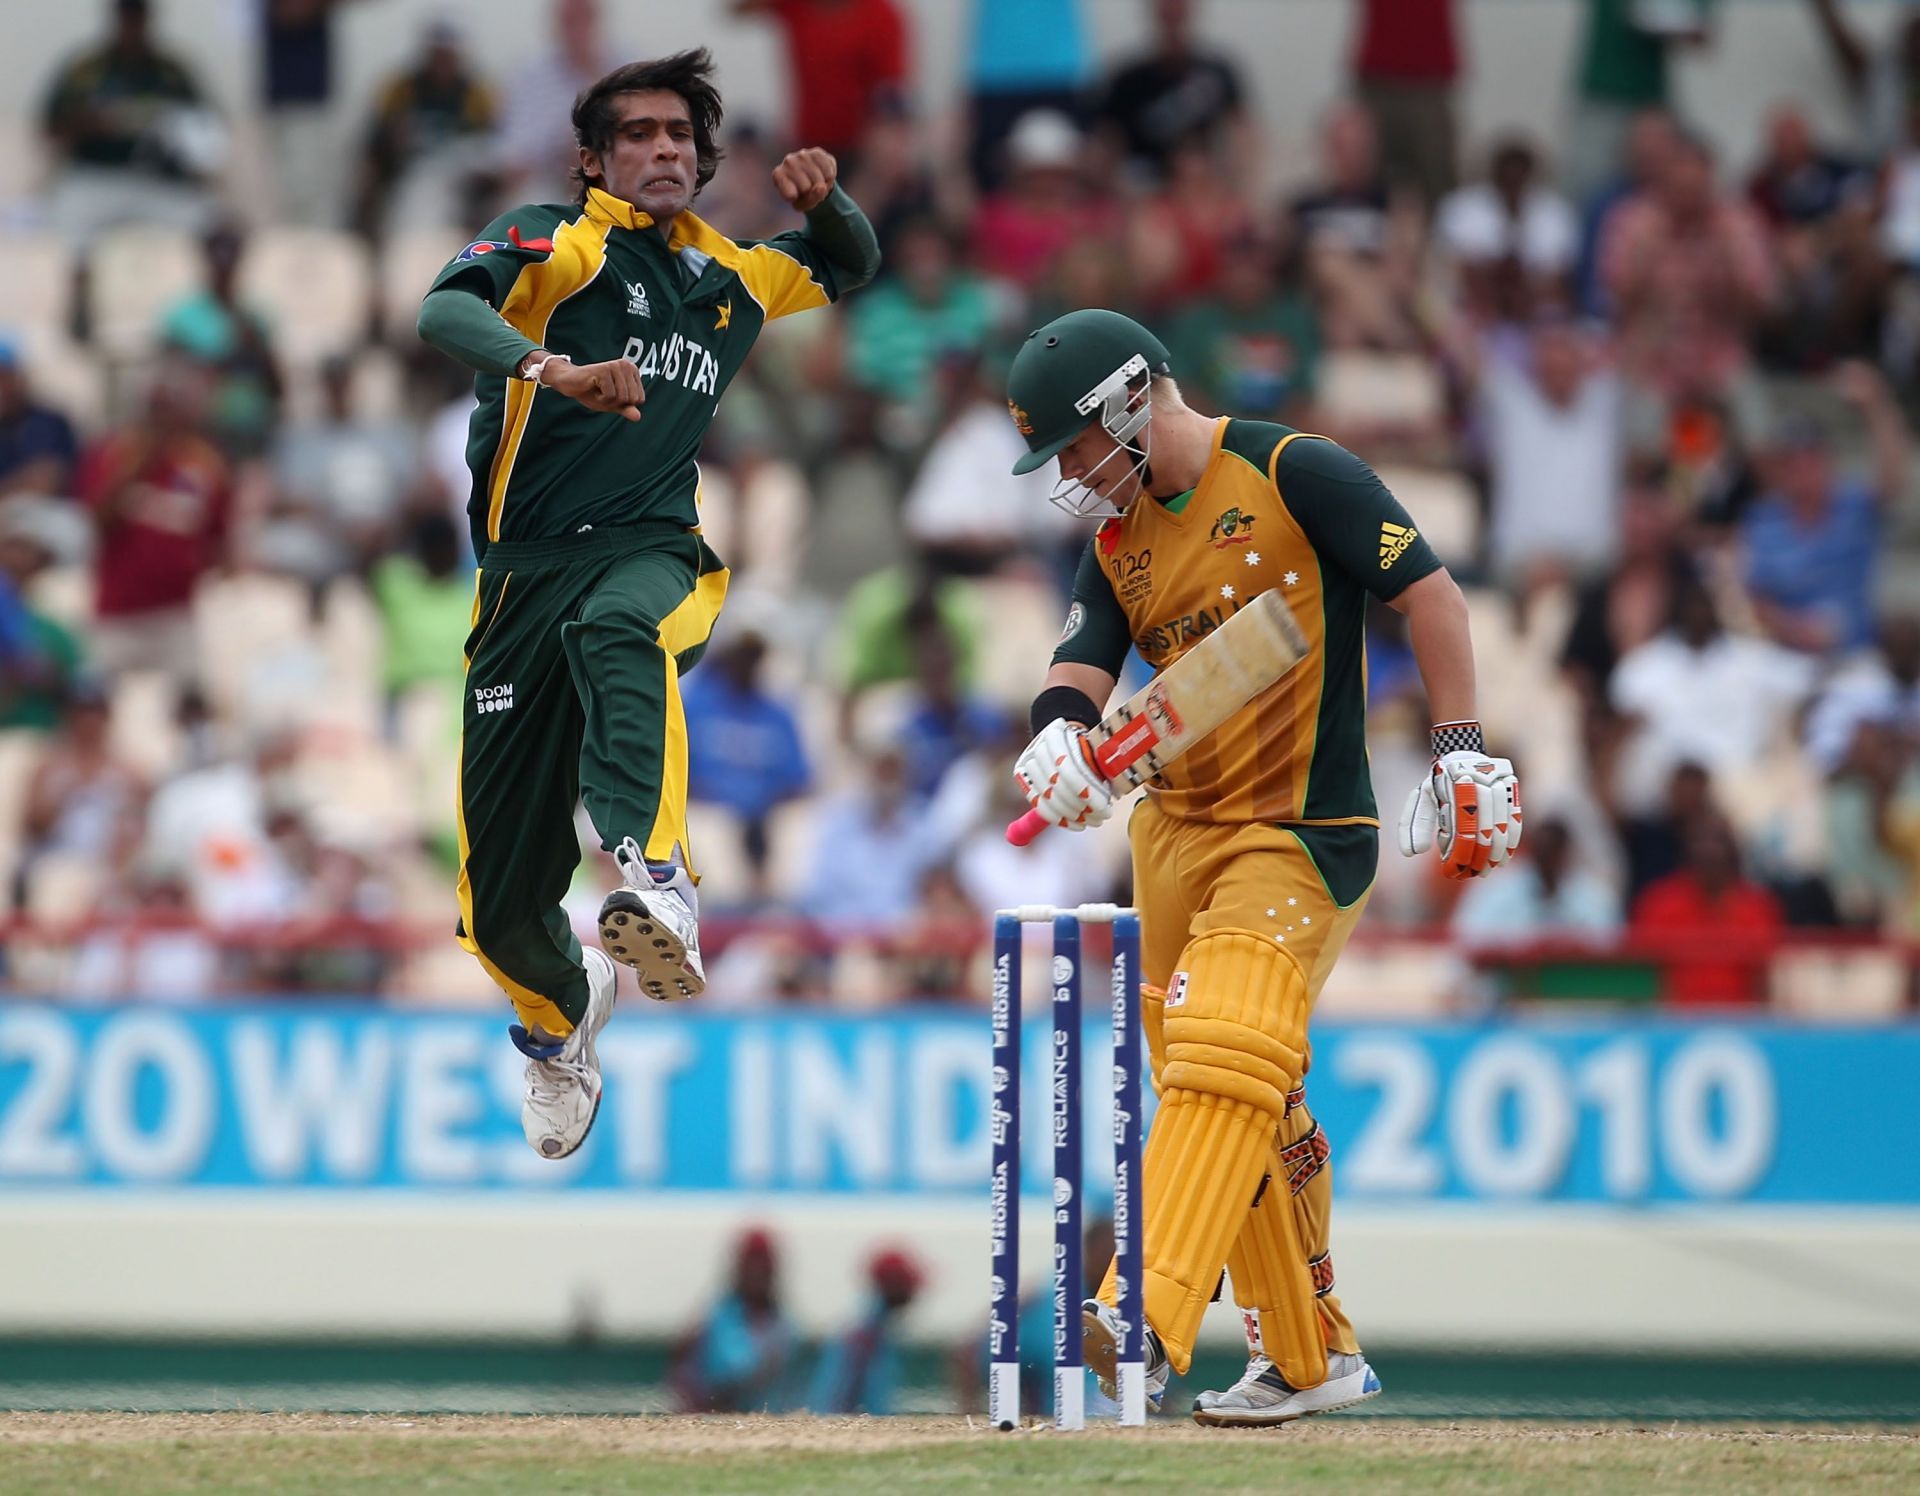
column 572, row 694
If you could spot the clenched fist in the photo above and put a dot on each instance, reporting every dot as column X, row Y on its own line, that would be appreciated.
column 806, row 177
column 613, row 386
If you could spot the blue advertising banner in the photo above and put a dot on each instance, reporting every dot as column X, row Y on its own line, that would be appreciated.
column 328, row 1098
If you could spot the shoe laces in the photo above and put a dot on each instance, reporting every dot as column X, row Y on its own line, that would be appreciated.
column 1257, row 1371
column 633, row 864
column 549, row 1082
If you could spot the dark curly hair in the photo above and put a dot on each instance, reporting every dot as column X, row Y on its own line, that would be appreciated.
column 689, row 74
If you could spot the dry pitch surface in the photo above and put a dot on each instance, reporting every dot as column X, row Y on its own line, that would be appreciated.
column 295, row 1453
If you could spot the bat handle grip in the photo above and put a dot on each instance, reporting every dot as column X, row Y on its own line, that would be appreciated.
column 1024, row 830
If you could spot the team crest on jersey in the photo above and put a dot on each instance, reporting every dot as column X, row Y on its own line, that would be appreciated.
column 1232, row 528
column 1022, row 422
column 637, row 303
column 480, row 247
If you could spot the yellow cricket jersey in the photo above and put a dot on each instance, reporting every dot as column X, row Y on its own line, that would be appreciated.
column 1274, row 509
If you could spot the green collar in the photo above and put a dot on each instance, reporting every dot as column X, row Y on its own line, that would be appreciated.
column 1178, row 502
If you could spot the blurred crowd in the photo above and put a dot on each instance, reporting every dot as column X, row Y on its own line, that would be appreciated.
column 1650, row 402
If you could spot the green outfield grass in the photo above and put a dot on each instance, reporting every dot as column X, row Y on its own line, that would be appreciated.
column 297, row 1453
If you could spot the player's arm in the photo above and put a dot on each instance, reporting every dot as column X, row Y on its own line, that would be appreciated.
column 834, row 252
column 461, row 317
column 1056, row 770
column 1468, row 808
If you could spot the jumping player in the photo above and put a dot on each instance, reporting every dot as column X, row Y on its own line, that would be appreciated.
column 1254, row 853
column 604, row 333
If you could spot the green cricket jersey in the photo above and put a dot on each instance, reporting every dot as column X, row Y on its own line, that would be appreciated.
column 596, row 281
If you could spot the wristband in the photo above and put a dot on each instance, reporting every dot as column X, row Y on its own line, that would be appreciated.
column 1457, row 737
column 533, row 369
column 1062, row 701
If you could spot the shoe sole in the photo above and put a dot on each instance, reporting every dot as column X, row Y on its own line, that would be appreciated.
column 1101, row 1353
column 1256, row 1418
column 632, row 936
column 613, row 997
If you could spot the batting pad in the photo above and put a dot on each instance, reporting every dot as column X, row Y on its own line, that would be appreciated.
column 1269, row 1261
column 1235, row 1029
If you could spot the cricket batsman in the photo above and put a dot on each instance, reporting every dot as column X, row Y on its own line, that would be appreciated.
column 603, row 333
column 1253, row 854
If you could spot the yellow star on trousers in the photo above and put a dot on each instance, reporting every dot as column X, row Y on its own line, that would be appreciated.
column 726, row 316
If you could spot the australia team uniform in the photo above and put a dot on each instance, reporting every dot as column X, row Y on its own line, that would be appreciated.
column 1253, row 856
column 595, row 590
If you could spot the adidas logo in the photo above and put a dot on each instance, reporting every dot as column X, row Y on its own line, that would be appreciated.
column 493, row 698
column 1394, row 540
column 637, row 303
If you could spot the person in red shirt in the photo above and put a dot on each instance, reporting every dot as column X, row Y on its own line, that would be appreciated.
column 1406, row 60
column 160, row 495
column 1719, row 925
column 842, row 57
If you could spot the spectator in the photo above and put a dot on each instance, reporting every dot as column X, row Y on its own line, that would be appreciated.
column 1653, row 843
column 1175, row 94
column 1625, row 67
column 155, row 951
column 133, row 136
column 943, row 723
column 1406, row 65
column 160, row 497
column 748, row 753
column 742, row 201
column 297, row 88
column 843, row 58
column 1361, row 264
column 1872, row 817
column 1813, row 542
column 1551, row 417
column 1882, row 692
column 1252, row 347
column 338, row 484
column 536, row 148
column 83, row 801
column 1024, row 55
column 966, row 506
column 37, row 447
column 1651, row 136
column 222, row 826
column 1511, row 226
column 1820, row 212
column 1179, row 237
column 1044, row 209
column 1882, row 83
column 894, row 181
column 429, row 149
column 930, row 307
column 736, row 1359
column 1697, row 694
column 233, row 343
column 425, row 597
column 40, row 657
column 1689, row 273
column 859, row 1370
column 1549, row 899
column 870, row 849
column 1713, row 927
column 883, row 611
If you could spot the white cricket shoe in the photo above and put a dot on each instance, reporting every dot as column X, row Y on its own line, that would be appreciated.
column 563, row 1075
column 652, row 925
column 1100, row 1349
column 1262, row 1398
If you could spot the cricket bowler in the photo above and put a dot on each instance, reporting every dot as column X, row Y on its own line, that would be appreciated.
column 1254, row 852
column 603, row 334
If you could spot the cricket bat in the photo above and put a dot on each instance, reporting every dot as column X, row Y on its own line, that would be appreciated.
column 1189, row 699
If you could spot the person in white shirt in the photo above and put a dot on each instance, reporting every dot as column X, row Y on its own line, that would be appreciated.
column 537, row 148
column 1697, row 694
column 1547, row 898
column 1510, row 219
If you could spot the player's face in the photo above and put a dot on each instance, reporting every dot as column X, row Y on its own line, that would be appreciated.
column 652, row 160
column 1094, row 460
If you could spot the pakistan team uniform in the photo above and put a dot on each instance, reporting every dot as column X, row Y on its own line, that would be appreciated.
column 1253, row 856
column 595, row 590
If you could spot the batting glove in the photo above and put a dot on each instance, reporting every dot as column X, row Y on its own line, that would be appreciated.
column 1468, row 808
column 1056, row 771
